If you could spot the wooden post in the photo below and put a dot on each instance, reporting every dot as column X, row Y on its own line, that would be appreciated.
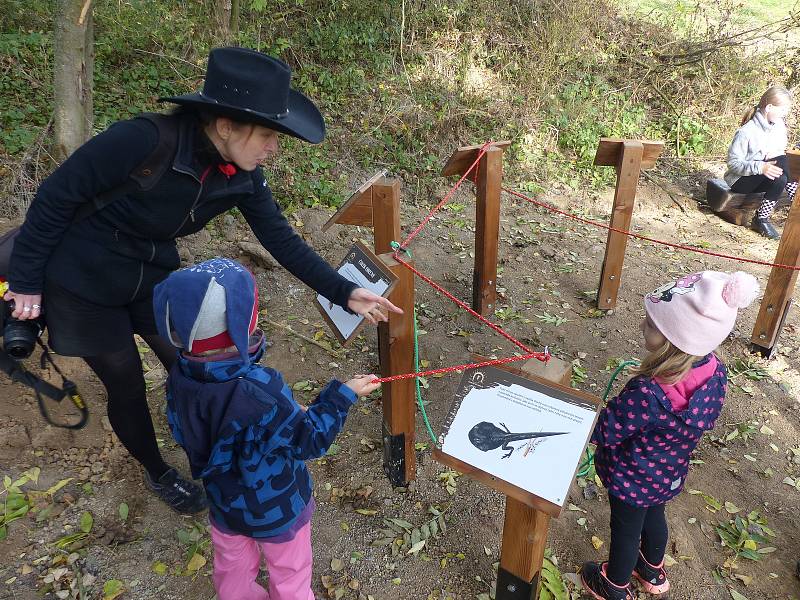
column 525, row 528
column 628, row 169
column 487, row 231
column 376, row 204
column 629, row 157
column 487, row 218
column 386, row 213
column 396, row 353
column 780, row 286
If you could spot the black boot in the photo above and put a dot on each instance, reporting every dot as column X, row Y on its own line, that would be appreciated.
column 764, row 227
column 180, row 494
column 599, row 586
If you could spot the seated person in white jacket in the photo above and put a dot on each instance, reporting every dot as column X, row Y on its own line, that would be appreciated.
column 757, row 156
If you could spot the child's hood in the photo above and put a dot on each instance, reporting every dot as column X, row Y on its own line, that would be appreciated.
column 217, row 368
column 705, row 399
column 199, row 306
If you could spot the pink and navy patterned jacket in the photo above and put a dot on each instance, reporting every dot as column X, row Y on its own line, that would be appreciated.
column 644, row 442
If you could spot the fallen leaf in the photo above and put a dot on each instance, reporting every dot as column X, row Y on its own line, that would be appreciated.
column 112, row 588
column 159, row 568
column 367, row 511
column 669, row 561
column 596, row 542
column 196, row 563
column 337, row 564
column 417, row 547
column 732, row 508
column 87, row 520
column 736, row 595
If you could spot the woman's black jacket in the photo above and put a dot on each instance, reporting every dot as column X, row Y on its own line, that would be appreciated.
column 120, row 252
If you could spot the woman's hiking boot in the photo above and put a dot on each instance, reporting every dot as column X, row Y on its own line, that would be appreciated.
column 653, row 578
column 180, row 494
column 599, row 586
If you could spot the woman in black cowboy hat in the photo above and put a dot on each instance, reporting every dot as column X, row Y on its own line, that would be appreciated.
column 101, row 232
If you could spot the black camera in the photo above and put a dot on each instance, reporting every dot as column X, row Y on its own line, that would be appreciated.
column 19, row 337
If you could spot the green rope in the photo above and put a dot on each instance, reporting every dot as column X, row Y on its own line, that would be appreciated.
column 586, row 466
column 416, row 383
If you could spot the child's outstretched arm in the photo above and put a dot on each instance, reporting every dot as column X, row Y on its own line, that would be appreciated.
column 625, row 415
column 319, row 425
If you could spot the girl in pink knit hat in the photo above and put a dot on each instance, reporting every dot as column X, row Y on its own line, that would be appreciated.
column 645, row 436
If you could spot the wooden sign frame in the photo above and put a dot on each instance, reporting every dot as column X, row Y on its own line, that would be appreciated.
column 524, row 528
column 509, row 489
column 357, row 209
column 378, row 266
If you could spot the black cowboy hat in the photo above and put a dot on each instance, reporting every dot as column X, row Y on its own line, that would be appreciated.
column 252, row 87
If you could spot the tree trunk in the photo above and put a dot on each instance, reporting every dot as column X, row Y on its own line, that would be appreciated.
column 234, row 20
column 73, row 75
column 223, row 10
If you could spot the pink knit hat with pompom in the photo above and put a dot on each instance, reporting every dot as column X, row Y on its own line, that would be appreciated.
column 697, row 312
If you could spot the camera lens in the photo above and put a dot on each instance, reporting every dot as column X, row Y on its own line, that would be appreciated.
column 19, row 338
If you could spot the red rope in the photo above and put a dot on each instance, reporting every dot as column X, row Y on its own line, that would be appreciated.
column 463, row 305
column 649, row 239
column 452, row 191
column 543, row 356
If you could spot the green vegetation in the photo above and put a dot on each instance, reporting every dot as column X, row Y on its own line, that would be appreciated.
column 403, row 83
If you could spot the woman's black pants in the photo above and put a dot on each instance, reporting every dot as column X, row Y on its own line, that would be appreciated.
column 128, row 412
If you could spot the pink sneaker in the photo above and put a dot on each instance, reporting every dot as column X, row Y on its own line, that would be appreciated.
column 599, row 586
column 653, row 578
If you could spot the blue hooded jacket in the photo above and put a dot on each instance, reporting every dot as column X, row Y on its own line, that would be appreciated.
column 247, row 438
column 243, row 432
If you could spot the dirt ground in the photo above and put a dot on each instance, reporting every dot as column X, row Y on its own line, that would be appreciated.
column 549, row 265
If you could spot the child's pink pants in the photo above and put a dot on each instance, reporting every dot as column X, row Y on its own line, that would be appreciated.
column 237, row 559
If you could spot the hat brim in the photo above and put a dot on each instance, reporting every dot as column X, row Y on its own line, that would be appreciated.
column 303, row 121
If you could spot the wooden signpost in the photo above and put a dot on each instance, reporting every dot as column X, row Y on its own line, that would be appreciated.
column 629, row 157
column 780, row 286
column 376, row 204
column 487, row 218
column 527, row 516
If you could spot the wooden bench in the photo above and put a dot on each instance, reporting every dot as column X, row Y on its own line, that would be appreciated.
column 734, row 208
column 740, row 208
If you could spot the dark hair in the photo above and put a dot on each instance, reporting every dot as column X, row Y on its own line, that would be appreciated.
column 204, row 117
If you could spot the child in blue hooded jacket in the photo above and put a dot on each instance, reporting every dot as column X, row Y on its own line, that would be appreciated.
column 645, row 436
column 243, row 432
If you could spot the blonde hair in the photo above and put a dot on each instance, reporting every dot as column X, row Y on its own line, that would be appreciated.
column 774, row 95
column 667, row 363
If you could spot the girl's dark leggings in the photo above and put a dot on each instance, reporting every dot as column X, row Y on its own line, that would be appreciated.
column 633, row 528
column 128, row 412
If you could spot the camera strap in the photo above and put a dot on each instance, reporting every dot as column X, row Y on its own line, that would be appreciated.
column 17, row 372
